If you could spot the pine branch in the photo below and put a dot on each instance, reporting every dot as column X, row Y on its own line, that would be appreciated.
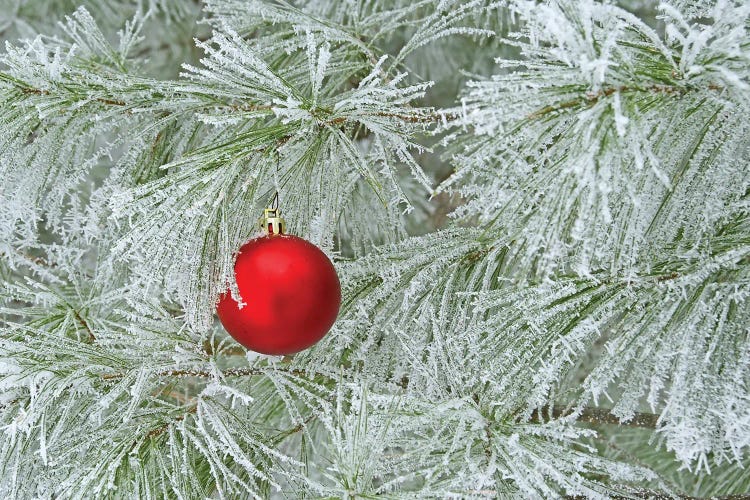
column 634, row 493
column 160, row 430
column 232, row 372
column 661, row 495
column 85, row 324
column 422, row 117
column 601, row 240
column 596, row 416
column 193, row 408
column 438, row 117
column 34, row 91
column 591, row 98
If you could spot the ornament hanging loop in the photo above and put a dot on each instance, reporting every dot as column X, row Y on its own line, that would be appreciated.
column 272, row 222
column 275, row 200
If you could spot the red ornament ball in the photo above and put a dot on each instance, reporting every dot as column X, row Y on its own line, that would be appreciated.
column 291, row 294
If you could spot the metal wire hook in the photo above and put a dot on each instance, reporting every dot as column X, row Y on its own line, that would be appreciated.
column 275, row 200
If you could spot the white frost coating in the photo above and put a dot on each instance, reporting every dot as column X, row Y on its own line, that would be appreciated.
column 621, row 121
column 215, row 388
column 538, row 212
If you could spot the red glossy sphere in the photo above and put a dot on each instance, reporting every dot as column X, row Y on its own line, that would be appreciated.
column 291, row 294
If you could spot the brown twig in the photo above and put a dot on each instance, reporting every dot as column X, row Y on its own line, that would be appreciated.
column 660, row 495
column 596, row 416
column 297, row 428
column 422, row 118
column 160, row 430
column 637, row 493
column 651, row 279
column 83, row 323
column 234, row 350
column 103, row 100
column 592, row 98
column 153, row 433
column 40, row 261
column 232, row 372
column 249, row 107
column 589, row 415
column 667, row 277
column 417, row 118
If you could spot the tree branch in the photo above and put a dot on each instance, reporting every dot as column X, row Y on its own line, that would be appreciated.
column 420, row 118
column 160, row 430
column 85, row 325
column 111, row 102
column 592, row 98
column 589, row 415
column 660, row 495
column 596, row 416
column 232, row 372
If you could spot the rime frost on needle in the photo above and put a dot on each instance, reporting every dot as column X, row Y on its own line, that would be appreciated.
column 538, row 212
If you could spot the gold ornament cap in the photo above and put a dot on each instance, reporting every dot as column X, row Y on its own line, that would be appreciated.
column 272, row 222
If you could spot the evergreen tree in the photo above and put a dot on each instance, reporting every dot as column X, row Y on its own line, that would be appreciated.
column 539, row 212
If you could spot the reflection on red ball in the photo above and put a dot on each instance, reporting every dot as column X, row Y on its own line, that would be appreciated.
column 291, row 294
